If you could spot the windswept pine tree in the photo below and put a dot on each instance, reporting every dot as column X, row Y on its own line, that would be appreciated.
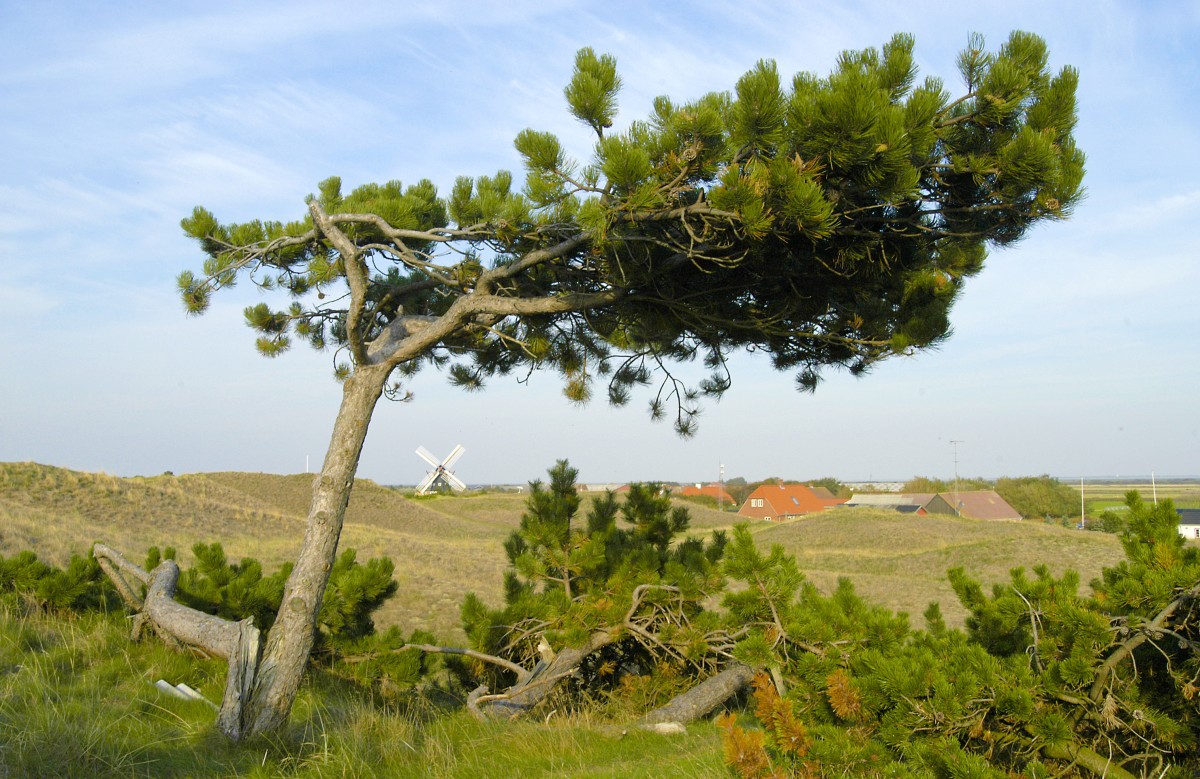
column 828, row 222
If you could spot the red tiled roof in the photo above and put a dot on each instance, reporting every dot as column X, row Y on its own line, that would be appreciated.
column 711, row 490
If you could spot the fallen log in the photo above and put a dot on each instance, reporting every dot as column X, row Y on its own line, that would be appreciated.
column 238, row 643
column 701, row 700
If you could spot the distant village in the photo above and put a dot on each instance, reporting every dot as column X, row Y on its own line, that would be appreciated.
column 779, row 502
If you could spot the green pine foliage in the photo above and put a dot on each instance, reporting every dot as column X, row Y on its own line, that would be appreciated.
column 81, row 586
column 827, row 221
column 571, row 575
column 1045, row 679
column 233, row 591
column 240, row 590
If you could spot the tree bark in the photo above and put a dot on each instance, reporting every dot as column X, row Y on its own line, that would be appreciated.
column 1086, row 758
column 529, row 692
column 291, row 637
column 702, row 699
column 235, row 642
column 262, row 683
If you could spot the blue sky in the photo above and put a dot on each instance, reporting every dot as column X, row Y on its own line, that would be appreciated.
column 1075, row 352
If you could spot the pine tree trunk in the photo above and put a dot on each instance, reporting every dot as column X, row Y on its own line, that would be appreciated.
column 291, row 637
column 702, row 699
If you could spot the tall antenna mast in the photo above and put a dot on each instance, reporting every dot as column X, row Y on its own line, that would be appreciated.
column 957, row 501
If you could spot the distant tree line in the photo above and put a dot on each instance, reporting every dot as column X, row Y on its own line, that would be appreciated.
column 1031, row 496
column 739, row 489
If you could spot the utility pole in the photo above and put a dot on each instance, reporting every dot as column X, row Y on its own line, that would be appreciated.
column 957, row 502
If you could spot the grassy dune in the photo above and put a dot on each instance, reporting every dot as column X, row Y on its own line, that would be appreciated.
column 446, row 546
column 57, row 674
column 901, row 561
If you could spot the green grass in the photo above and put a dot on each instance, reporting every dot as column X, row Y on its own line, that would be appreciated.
column 77, row 699
column 1111, row 495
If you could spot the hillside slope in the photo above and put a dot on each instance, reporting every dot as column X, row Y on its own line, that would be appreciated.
column 901, row 560
column 446, row 546
column 439, row 555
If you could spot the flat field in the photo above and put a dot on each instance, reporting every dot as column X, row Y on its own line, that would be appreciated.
column 1111, row 494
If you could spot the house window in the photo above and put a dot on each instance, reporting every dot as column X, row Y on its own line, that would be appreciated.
column 756, row 503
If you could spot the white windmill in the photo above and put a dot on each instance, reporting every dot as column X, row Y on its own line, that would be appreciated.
column 441, row 476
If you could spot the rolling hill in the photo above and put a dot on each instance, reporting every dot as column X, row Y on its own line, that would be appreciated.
column 446, row 546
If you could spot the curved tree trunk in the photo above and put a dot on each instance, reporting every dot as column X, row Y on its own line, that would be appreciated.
column 291, row 637
column 262, row 683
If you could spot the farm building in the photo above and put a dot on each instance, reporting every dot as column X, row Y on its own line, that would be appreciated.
column 777, row 502
column 977, row 504
column 907, row 503
column 715, row 491
column 1189, row 523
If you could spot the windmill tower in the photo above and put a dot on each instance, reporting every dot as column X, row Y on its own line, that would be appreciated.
column 441, row 477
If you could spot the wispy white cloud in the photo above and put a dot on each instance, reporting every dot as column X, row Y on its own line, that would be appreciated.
column 22, row 301
column 122, row 117
column 1151, row 215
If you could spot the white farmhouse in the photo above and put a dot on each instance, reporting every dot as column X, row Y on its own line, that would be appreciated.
column 1189, row 523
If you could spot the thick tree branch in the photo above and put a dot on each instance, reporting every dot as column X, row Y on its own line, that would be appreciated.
column 702, row 699
column 532, row 259
column 1105, row 671
column 115, row 566
column 357, row 278
column 238, row 643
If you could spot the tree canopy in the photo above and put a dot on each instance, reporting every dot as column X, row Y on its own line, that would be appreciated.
column 829, row 221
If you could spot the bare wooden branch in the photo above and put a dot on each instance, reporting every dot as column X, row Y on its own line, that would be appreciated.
column 702, row 699
column 356, row 279
column 521, row 672
column 1160, row 621
column 115, row 565
column 238, row 643
column 523, row 696
column 1086, row 758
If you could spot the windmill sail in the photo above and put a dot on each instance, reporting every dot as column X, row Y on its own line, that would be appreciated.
column 441, row 476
